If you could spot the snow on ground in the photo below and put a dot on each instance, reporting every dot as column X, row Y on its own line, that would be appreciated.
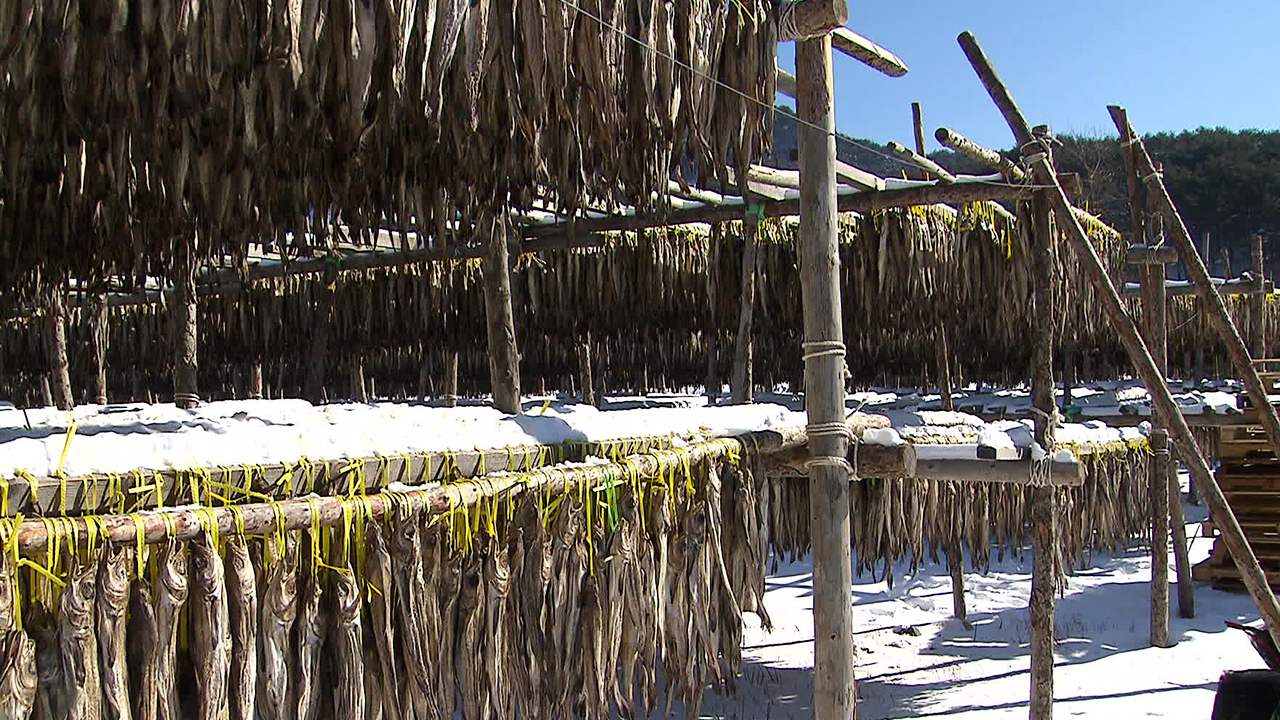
column 1104, row 669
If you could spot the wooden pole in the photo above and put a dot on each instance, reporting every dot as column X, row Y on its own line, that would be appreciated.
column 451, row 379
column 1155, row 306
column 584, row 372
column 1044, row 516
column 318, row 361
column 359, row 391
column 1209, row 296
column 98, row 347
column 833, row 675
column 917, row 122
column 255, row 380
column 741, row 384
column 55, row 337
column 963, row 145
column 1258, row 301
column 186, row 390
column 711, row 332
column 504, row 359
column 1233, row 536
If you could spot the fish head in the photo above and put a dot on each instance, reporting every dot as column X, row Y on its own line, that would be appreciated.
column 173, row 570
column 115, row 574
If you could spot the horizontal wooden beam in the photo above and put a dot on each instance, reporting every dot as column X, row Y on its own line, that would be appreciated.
column 1017, row 472
column 1236, row 286
column 951, row 139
column 922, row 162
column 804, row 19
column 868, row 461
column 786, row 83
column 1151, row 255
column 859, row 48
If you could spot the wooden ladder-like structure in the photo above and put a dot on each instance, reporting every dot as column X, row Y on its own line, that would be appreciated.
column 1249, row 476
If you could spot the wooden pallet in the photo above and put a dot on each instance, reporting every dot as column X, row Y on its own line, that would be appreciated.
column 1252, row 488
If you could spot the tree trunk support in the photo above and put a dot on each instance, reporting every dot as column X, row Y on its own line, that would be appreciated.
column 451, row 379
column 834, row 692
column 742, row 344
column 504, row 359
column 98, row 347
column 55, row 337
column 186, row 390
column 584, row 372
column 318, row 362
column 1233, row 536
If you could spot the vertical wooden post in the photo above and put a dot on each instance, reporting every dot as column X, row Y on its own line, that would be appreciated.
column 98, row 346
column 359, row 392
column 186, row 390
column 318, row 362
column 741, row 383
column 1259, row 302
column 1044, row 515
column 504, row 359
column 255, row 380
column 451, row 379
column 55, row 338
column 834, row 692
column 1159, row 494
column 917, row 120
column 712, row 333
column 584, row 372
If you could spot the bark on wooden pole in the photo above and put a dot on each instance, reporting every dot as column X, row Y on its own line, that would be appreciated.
column 98, row 347
column 55, row 341
column 834, row 692
column 711, row 332
column 1258, row 302
column 1044, row 515
column 1158, row 470
column 318, row 361
column 741, row 383
column 586, row 382
column 917, row 123
column 1210, row 298
column 451, row 379
column 255, row 380
column 359, row 391
column 1232, row 534
column 504, row 359
column 186, row 390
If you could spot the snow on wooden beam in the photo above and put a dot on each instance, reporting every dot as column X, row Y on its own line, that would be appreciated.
column 1018, row 472
column 1243, row 285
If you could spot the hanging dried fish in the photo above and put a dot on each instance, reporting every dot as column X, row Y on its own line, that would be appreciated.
column 310, row 636
column 242, row 611
column 348, row 647
column 144, row 649
column 51, row 689
column 411, row 627
column 211, row 628
column 497, row 589
column 468, row 647
column 18, row 677
column 79, row 643
column 112, row 606
column 382, row 633
column 279, row 610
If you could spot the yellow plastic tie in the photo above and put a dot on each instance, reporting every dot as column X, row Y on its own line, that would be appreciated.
column 140, row 537
column 66, row 444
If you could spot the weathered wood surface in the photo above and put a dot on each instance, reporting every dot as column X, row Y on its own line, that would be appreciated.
column 868, row 461
column 1158, row 492
column 922, row 162
column 55, row 343
column 504, row 358
column 741, row 382
column 1244, row 285
column 1247, row 562
column 1258, row 305
column 859, row 48
column 1151, row 255
column 186, row 391
column 805, row 19
column 917, row 125
column 98, row 339
column 835, row 696
column 1016, row 472
column 992, row 159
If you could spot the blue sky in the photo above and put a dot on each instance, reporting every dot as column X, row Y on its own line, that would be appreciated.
column 1175, row 64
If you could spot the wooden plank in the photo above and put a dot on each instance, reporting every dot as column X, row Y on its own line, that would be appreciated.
column 863, row 50
column 1017, row 472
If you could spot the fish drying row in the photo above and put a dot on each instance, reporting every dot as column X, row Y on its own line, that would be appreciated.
column 534, row 606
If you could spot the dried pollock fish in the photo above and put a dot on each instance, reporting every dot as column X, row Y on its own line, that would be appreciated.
column 171, row 595
column 211, row 628
column 348, row 647
column 310, row 636
column 144, row 649
column 51, row 693
column 467, row 649
column 17, row 675
column 407, row 556
column 382, row 633
column 279, row 611
column 112, row 611
column 497, row 589
column 79, row 643
column 242, row 610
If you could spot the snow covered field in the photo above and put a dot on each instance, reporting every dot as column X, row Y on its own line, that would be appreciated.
column 1105, row 667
